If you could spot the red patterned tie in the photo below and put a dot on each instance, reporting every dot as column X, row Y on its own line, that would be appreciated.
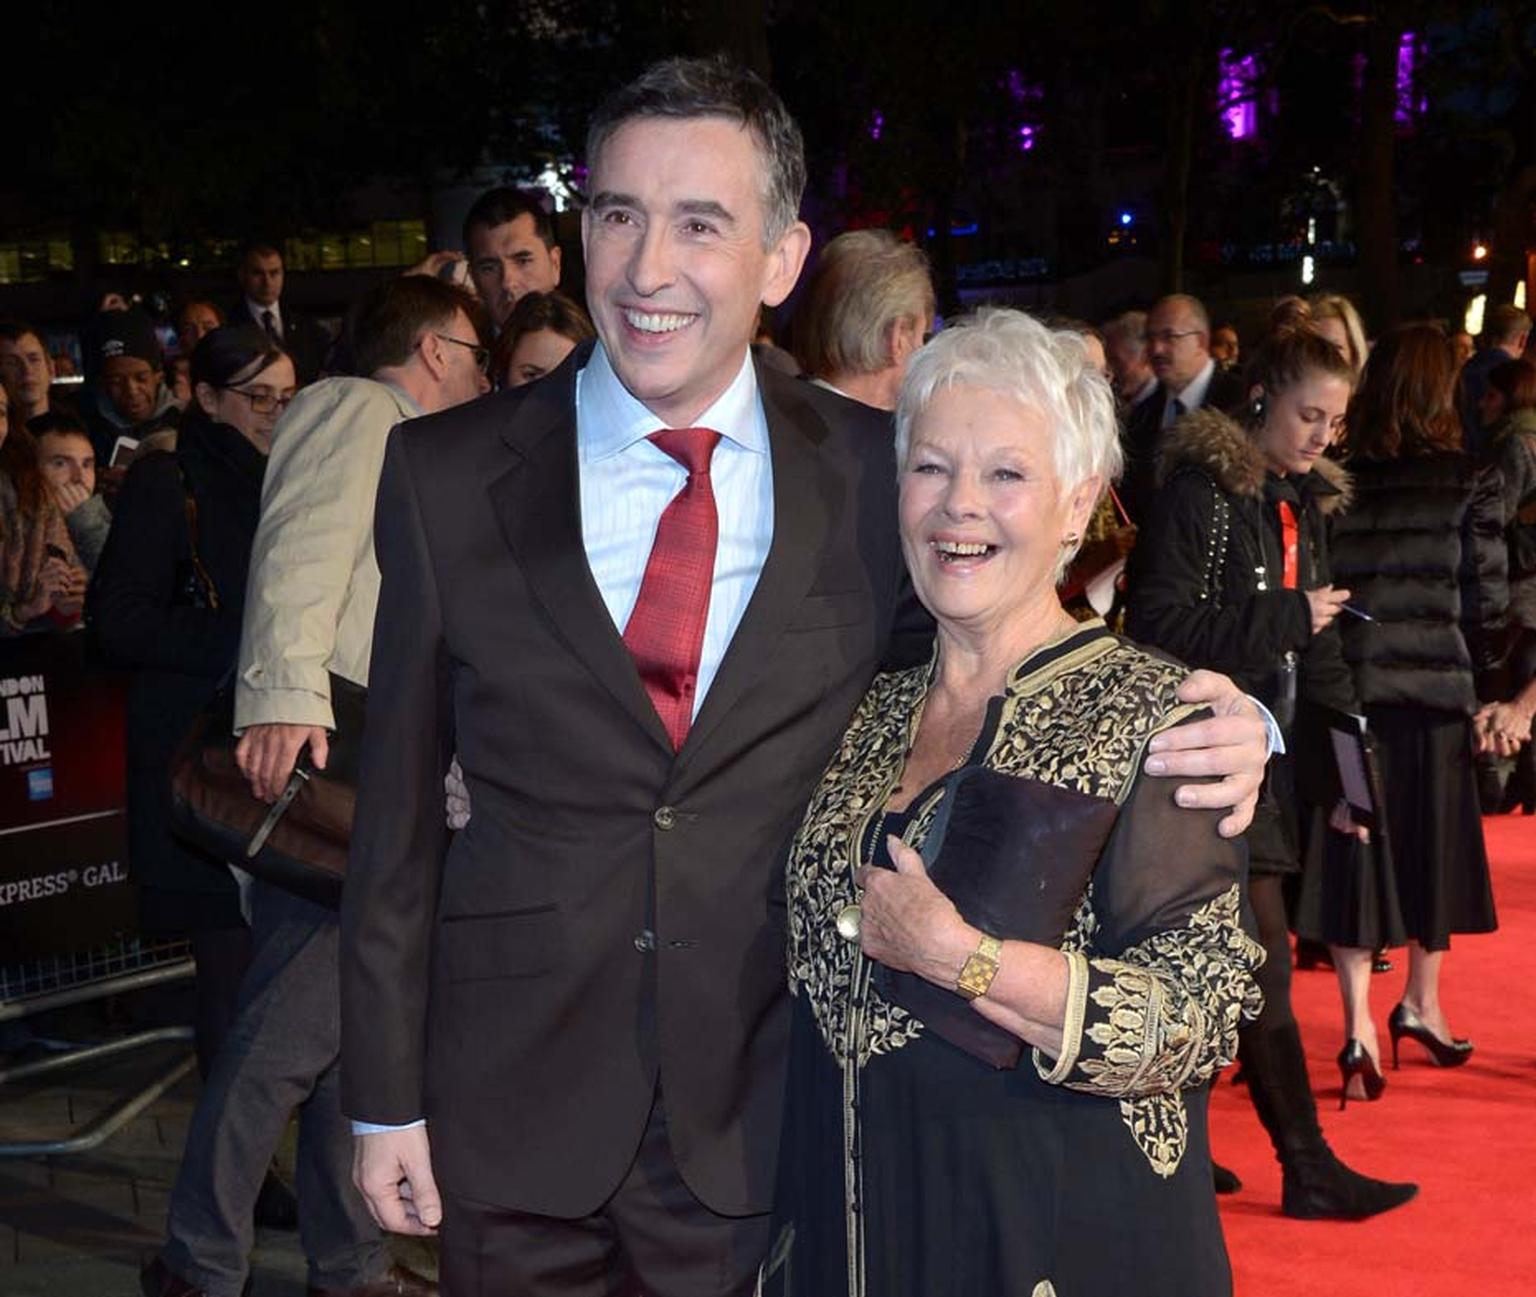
column 665, row 634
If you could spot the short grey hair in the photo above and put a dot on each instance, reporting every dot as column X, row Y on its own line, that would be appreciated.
column 684, row 88
column 1044, row 370
column 1128, row 328
column 864, row 282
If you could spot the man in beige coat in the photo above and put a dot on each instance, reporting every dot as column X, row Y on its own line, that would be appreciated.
column 310, row 608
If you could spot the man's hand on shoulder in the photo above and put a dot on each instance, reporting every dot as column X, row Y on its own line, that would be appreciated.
column 392, row 1169
column 266, row 755
column 1232, row 746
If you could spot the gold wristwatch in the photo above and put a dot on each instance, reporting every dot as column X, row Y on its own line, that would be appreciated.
column 979, row 970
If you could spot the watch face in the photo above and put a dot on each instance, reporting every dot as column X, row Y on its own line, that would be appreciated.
column 976, row 977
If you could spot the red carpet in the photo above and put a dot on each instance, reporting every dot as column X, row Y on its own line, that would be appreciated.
column 1467, row 1136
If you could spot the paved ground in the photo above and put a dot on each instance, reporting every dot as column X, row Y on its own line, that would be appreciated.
column 81, row 1226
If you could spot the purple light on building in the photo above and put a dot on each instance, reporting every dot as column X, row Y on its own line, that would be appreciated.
column 876, row 124
column 1026, row 138
column 1409, row 106
column 1235, row 94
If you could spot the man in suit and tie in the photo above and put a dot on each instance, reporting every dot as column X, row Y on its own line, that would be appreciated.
column 639, row 598
column 261, row 275
column 1188, row 377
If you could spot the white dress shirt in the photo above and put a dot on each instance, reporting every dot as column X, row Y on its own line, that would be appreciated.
column 1192, row 397
column 627, row 482
column 257, row 310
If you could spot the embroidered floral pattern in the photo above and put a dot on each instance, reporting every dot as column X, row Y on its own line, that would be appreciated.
column 1160, row 1016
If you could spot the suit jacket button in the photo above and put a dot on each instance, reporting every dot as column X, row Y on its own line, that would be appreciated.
column 665, row 818
column 645, row 941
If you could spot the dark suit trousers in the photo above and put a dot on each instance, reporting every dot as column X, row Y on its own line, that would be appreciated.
column 653, row 1237
column 280, row 1054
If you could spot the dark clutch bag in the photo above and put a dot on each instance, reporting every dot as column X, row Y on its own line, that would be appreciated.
column 300, row 843
column 1014, row 855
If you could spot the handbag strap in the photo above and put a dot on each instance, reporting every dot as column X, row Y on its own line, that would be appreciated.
column 199, row 572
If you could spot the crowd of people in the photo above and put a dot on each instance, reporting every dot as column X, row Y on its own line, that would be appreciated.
column 765, row 814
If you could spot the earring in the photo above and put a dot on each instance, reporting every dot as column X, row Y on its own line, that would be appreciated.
column 1070, row 539
column 1258, row 407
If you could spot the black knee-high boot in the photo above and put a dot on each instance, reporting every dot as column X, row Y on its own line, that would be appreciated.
column 1317, row 1185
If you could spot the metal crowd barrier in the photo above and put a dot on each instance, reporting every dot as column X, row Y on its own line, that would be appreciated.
column 57, row 981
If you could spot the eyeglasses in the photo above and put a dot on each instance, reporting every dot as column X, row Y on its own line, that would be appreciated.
column 482, row 354
column 1172, row 335
column 263, row 402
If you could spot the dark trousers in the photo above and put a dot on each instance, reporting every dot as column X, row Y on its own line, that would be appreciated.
column 653, row 1236
column 280, row 1053
column 222, row 956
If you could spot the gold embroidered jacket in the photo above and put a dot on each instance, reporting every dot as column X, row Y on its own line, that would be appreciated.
column 1161, row 971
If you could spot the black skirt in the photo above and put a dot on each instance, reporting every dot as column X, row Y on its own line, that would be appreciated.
column 1434, row 823
column 978, row 1180
column 1348, row 893
column 1430, row 877
column 1272, row 837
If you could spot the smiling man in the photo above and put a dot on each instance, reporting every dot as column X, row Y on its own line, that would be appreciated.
column 640, row 599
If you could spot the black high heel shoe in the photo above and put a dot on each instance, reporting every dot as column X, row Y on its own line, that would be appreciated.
column 1353, row 1062
column 1405, row 1022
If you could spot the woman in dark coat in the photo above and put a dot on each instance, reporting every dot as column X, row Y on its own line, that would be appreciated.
column 1232, row 573
column 172, row 617
column 1423, row 550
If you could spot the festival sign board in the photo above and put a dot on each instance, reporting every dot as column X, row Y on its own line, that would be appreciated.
column 64, row 878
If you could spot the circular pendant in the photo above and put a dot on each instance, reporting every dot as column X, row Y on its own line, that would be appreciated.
column 848, row 923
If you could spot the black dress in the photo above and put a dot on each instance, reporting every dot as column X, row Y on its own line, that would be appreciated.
column 909, row 1168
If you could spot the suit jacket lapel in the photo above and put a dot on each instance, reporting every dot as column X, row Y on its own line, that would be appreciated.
column 538, row 507
column 804, row 498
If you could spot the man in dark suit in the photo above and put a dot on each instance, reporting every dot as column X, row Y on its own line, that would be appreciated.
column 640, row 599
column 1179, row 350
column 261, row 275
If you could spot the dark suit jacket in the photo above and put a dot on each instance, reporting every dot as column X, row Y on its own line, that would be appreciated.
column 305, row 340
column 1470, row 386
column 613, row 914
column 1144, row 430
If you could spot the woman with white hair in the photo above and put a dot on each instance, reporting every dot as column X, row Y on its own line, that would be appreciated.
column 1016, row 963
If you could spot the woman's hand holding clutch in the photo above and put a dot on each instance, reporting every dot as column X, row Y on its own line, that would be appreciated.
column 908, row 924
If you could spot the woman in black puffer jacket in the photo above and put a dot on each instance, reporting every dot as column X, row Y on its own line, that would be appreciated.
column 1423, row 550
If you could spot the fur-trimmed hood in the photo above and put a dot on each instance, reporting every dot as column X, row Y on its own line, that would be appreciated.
column 1217, row 445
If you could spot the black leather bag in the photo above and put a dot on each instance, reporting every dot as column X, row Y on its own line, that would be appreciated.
column 300, row 843
column 1014, row 855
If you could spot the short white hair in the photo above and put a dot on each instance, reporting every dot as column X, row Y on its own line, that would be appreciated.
column 1045, row 370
